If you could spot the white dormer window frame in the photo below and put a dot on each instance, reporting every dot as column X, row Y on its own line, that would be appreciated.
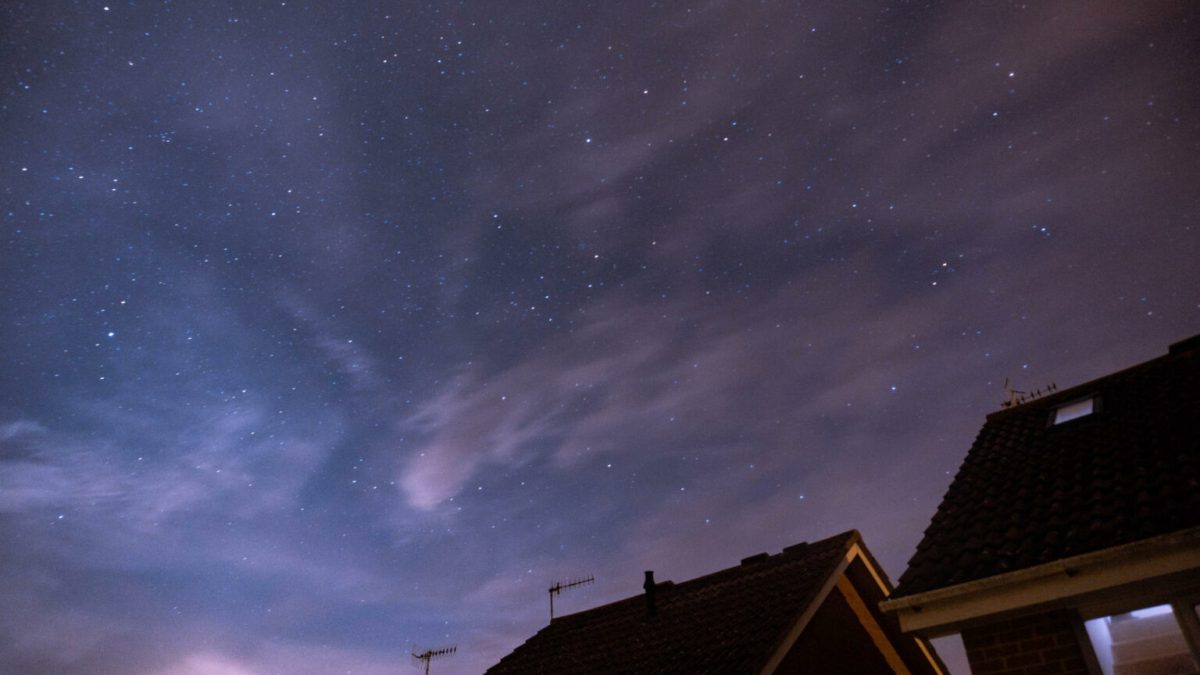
column 1072, row 410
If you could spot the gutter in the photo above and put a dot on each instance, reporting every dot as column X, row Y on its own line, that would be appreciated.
column 1056, row 580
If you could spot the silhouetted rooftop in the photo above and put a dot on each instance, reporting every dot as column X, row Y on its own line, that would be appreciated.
column 1032, row 491
column 731, row 621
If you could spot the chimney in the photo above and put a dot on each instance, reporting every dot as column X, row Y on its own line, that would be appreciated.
column 1185, row 346
column 651, row 610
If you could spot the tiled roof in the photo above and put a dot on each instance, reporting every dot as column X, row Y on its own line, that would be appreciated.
column 731, row 621
column 1031, row 492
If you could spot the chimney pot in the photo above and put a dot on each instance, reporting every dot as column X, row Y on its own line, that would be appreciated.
column 649, row 585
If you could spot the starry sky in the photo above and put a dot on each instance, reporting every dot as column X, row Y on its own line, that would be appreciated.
column 337, row 331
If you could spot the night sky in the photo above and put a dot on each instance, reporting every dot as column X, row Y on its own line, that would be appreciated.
column 336, row 331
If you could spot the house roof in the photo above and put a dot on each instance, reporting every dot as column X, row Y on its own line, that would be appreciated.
column 730, row 621
column 1032, row 492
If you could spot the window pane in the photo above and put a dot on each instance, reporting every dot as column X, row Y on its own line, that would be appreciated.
column 1142, row 642
column 1070, row 411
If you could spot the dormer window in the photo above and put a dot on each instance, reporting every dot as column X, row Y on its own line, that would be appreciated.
column 1075, row 410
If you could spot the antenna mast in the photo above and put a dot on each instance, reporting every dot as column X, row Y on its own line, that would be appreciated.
column 431, row 654
column 1016, row 397
column 560, row 586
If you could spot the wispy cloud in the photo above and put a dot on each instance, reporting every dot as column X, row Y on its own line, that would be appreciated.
column 699, row 374
column 351, row 360
column 222, row 461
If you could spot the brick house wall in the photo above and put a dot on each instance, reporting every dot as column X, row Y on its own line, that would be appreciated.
column 1033, row 645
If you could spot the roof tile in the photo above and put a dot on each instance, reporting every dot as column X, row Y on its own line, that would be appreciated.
column 726, row 622
column 1129, row 471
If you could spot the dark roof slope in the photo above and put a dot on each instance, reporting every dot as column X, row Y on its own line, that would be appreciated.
column 731, row 621
column 1031, row 492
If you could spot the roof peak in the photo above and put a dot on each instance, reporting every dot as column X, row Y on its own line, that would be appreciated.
column 1065, row 394
column 850, row 538
column 730, row 620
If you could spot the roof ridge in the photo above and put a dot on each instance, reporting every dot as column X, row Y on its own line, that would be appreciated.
column 851, row 536
column 1077, row 390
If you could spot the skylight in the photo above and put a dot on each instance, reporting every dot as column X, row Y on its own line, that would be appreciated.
column 1074, row 410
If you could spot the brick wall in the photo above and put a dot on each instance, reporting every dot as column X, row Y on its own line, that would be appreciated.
column 1033, row 645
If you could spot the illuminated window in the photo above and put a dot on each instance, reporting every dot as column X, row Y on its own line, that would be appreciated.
column 1145, row 641
column 1075, row 410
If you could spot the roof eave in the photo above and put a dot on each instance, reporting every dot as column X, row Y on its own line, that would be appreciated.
column 945, row 610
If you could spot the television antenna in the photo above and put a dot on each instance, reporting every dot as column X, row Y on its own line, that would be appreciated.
column 431, row 654
column 1016, row 397
column 560, row 586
